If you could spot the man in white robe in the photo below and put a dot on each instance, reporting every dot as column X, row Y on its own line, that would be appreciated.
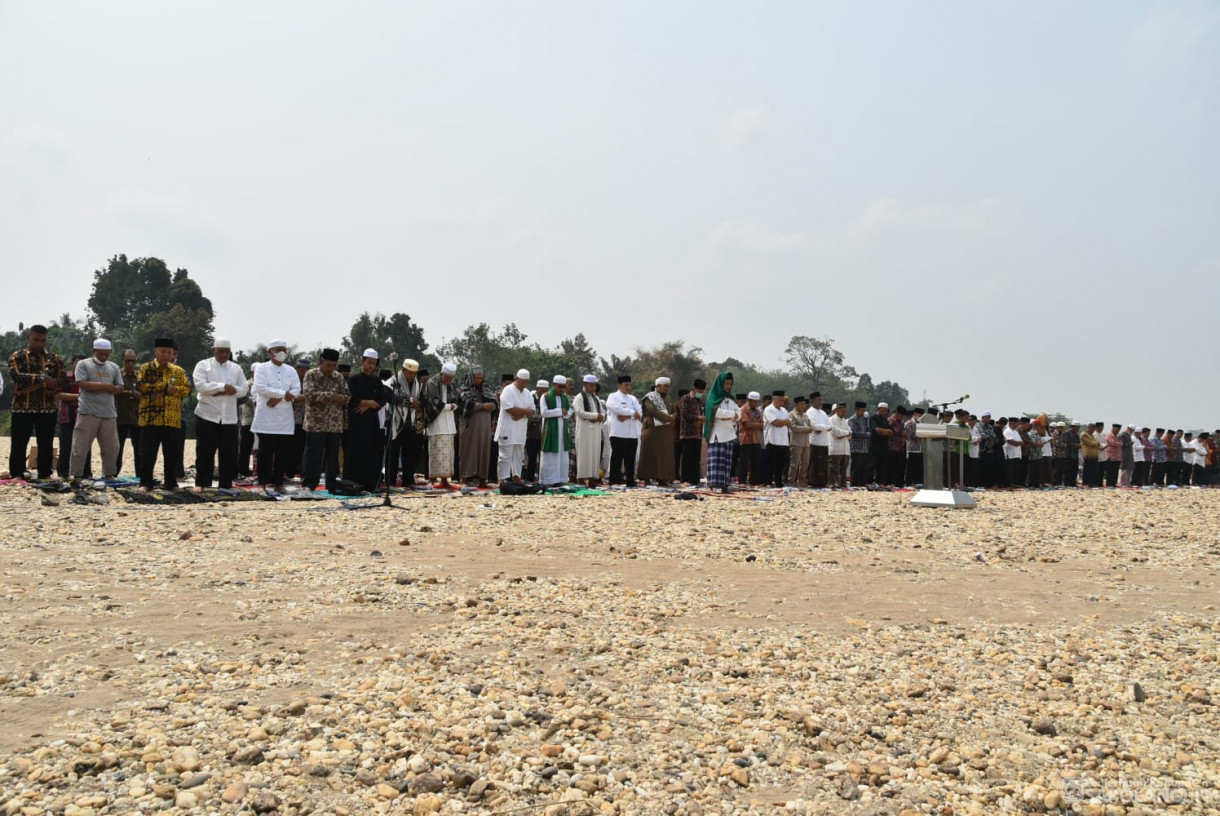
column 556, row 412
column 516, row 407
column 590, row 418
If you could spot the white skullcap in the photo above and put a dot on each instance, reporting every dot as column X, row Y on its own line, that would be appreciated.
column 883, row 405
column 543, row 384
column 559, row 379
column 371, row 354
column 223, row 342
column 101, row 344
column 985, row 413
column 277, row 344
column 448, row 368
column 523, row 374
column 662, row 381
column 410, row 365
column 753, row 395
column 590, row 378
column 1130, row 427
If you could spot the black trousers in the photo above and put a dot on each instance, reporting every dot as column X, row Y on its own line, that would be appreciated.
column 1016, row 472
column 878, row 467
column 42, row 427
column 1198, row 475
column 245, row 451
column 860, row 471
column 1140, row 477
column 898, row 467
column 404, row 453
column 1091, row 477
column 274, row 455
column 914, row 472
column 819, row 465
column 322, row 453
column 778, row 457
column 179, row 442
column 533, row 452
column 622, row 453
column 126, row 431
column 1110, row 471
column 212, row 438
column 299, row 443
column 1158, row 473
column 154, row 439
column 749, row 464
column 692, row 452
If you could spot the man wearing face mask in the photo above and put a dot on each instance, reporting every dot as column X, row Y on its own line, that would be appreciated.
column 99, row 380
column 276, row 387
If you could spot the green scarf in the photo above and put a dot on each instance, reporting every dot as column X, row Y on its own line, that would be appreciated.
column 714, row 397
column 552, row 440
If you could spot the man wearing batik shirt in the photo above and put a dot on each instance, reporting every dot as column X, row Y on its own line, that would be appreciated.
column 161, row 385
column 326, row 400
column 37, row 375
column 749, row 441
column 861, row 433
column 898, row 447
column 1058, row 452
column 690, row 431
column 987, row 451
column 1090, row 446
column 1034, row 477
column 1159, row 456
column 127, row 406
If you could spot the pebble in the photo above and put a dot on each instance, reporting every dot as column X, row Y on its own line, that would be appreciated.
column 559, row 674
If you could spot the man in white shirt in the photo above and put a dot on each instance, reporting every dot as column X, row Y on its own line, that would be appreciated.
column 819, row 442
column 220, row 383
column 776, row 438
column 973, row 471
column 838, row 448
column 276, row 387
column 627, row 415
column 516, row 407
column 1013, row 444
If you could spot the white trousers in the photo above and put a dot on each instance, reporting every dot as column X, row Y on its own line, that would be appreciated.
column 510, row 461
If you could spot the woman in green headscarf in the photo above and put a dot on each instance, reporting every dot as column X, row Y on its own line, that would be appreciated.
column 720, row 431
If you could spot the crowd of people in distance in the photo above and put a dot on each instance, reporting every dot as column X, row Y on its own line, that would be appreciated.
column 370, row 428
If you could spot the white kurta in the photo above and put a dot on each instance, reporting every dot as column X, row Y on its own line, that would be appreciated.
column 590, row 421
column 511, row 431
column 211, row 376
column 273, row 381
column 555, row 465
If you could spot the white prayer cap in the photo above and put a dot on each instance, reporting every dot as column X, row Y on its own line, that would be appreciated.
column 523, row 374
column 223, row 342
column 542, row 384
column 1130, row 427
column 590, row 378
column 559, row 379
column 883, row 405
column 276, row 344
column 410, row 365
column 985, row 413
column 753, row 395
column 371, row 354
column 101, row 344
column 662, row 381
column 449, row 368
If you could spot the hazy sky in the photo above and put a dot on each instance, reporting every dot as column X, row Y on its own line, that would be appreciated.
column 1016, row 200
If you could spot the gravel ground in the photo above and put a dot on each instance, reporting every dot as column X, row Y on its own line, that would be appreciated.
column 820, row 653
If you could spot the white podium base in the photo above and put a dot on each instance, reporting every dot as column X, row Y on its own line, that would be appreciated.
column 942, row 498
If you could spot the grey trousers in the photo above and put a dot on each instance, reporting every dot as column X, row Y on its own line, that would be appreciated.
column 88, row 428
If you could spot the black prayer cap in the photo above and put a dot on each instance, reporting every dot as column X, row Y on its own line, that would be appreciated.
column 164, row 342
column 344, row 368
column 700, row 384
column 801, row 399
column 740, row 396
column 861, row 404
column 506, row 378
column 330, row 354
column 901, row 410
column 682, row 392
column 423, row 372
column 778, row 393
column 815, row 395
column 624, row 378
column 386, row 373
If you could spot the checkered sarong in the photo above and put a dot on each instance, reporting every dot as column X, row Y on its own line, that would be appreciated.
column 440, row 456
column 719, row 463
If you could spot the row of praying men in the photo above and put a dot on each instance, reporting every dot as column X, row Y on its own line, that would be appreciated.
column 323, row 422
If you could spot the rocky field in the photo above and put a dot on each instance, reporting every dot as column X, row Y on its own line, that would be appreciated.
column 626, row 654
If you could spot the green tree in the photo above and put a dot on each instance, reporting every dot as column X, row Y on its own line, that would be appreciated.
column 820, row 365
column 191, row 328
column 395, row 333
column 891, row 393
column 130, row 296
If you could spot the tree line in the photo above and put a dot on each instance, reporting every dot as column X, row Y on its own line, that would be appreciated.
column 134, row 301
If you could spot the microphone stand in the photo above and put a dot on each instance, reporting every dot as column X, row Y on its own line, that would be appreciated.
column 385, row 453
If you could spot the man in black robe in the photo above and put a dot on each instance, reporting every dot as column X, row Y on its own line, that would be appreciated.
column 363, row 454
